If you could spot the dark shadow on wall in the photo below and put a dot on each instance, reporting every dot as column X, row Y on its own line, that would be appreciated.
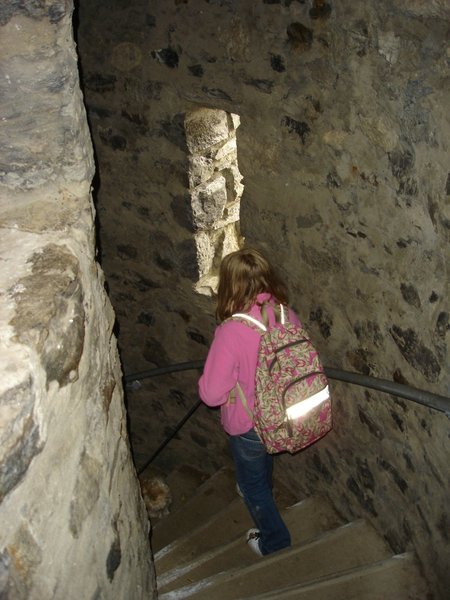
column 96, row 180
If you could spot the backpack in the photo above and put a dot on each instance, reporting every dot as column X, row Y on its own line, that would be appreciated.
column 293, row 406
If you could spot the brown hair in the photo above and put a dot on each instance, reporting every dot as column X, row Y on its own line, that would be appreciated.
column 243, row 275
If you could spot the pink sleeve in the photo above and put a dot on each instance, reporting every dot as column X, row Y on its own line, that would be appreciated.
column 221, row 369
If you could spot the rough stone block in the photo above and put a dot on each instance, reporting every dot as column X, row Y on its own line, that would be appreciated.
column 20, row 439
column 234, row 182
column 205, row 252
column 212, row 246
column 230, row 215
column 201, row 169
column 41, row 136
column 50, row 314
column 227, row 152
column 205, row 128
column 208, row 202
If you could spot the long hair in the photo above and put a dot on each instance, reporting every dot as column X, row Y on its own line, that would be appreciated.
column 243, row 275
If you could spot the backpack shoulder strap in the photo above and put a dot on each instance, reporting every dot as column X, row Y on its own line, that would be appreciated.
column 244, row 400
column 277, row 313
column 251, row 320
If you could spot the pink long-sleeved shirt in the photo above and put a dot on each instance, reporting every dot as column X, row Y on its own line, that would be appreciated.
column 231, row 358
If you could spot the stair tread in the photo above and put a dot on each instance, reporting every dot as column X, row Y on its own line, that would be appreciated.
column 225, row 525
column 200, row 550
column 215, row 493
column 394, row 577
column 347, row 546
column 189, row 509
column 183, row 482
column 187, row 559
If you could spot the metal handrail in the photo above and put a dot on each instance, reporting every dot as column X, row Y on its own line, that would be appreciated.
column 434, row 401
column 428, row 399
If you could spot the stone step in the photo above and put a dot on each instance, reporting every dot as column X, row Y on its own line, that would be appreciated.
column 224, row 526
column 348, row 546
column 309, row 518
column 220, row 542
column 183, row 482
column 213, row 495
column 395, row 578
column 188, row 487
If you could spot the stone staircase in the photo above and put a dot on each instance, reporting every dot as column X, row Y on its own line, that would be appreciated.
column 200, row 550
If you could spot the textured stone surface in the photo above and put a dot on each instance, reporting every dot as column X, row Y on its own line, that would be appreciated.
column 85, row 494
column 391, row 458
column 49, row 312
column 44, row 146
column 208, row 202
column 343, row 148
column 215, row 185
column 206, row 128
column 73, row 522
column 20, row 438
column 23, row 559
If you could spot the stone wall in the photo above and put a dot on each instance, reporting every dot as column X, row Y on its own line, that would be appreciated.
column 73, row 521
column 343, row 148
column 384, row 461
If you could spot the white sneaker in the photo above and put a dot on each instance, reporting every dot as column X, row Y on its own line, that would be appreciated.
column 253, row 537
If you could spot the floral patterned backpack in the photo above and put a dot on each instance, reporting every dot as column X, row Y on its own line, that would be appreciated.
column 293, row 406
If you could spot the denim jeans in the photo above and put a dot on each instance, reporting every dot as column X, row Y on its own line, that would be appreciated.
column 253, row 467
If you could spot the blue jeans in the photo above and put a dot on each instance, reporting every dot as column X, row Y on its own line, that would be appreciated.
column 253, row 467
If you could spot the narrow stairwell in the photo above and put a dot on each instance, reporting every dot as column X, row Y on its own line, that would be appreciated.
column 200, row 551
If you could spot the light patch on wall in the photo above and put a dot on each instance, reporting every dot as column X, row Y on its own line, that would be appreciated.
column 216, row 188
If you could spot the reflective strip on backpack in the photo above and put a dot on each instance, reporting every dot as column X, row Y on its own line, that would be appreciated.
column 252, row 319
column 258, row 323
column 304, row 406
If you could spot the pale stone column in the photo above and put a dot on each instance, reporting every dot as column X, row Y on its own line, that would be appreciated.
column 73, row 521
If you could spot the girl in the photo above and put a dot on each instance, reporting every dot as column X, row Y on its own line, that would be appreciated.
column 247, row 283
